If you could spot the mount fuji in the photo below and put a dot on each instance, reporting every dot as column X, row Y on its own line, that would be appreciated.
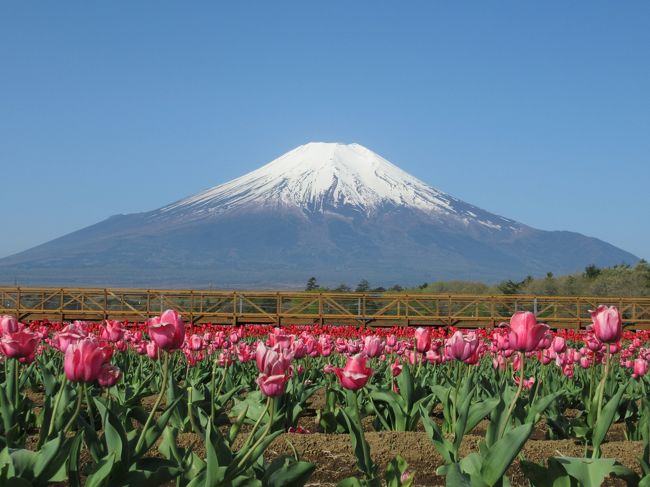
column 338, row 212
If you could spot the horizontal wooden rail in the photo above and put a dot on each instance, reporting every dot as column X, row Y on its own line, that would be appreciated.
column 252, row 307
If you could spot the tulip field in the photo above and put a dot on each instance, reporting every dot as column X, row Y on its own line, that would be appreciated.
column 168, row 403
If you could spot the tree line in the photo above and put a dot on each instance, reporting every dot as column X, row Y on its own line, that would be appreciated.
column 620, row 280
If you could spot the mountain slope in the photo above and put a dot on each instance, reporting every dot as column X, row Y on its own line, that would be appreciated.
column 339, row 212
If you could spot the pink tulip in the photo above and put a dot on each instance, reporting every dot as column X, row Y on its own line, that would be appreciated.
column 244, row 352
column 433, row 357
column 584, row 362
column 195, row 343
column 545, row 342
column 19, row 344
column 355, row 374
column 548, row 356
column 108, row 375
column 499, row 362
column 607, row 324
column 266, row 358
column 593, row 343
column 272, row 385
column 422, row 339
column 525, row 333
column 83, row 361
column 559, row 344
column 281, row 340
column 70, row 334
column 168, row 330
column 299, row 348
column 224, row 359
column 8, row 324
column 153, row 351
column 528, row 383
column 501, row 341
column 462, row 347
column 373, row 346
column 113, row 331
column 274, row 367
column 396, row 368
column 640, row 368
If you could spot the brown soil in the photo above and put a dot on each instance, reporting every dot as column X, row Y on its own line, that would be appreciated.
column 335, row 460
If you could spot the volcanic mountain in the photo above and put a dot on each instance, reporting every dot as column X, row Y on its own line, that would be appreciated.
column 338, row 212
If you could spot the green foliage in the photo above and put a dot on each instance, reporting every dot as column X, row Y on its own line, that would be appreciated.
column 621, row 280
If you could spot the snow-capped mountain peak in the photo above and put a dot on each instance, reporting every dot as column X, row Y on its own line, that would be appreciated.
column 319, row 177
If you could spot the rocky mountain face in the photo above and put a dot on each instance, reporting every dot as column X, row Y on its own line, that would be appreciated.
column 338, row 212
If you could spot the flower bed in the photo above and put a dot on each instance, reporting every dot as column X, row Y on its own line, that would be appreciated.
column 126, row 404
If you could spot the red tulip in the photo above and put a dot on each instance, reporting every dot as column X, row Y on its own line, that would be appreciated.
column 19, row 344
column 525, row 333
column 607, row 324
column 355, row 374
column 167, row 330
column 83, row 361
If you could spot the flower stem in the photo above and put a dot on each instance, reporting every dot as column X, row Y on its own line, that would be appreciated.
column 16, row 380
column 90, row 408
column 190, row 411
column 270, row 406
column 56, row 406
column 77, row 410
column 504, row 425
column 155, row 405
column 367, row 460
column 257, row 424
column 601, row 386
column 215, row 394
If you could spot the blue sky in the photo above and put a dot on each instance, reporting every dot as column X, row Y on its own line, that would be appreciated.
column 538, row 111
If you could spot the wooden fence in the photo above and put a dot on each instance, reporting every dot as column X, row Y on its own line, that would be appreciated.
column 241, row 307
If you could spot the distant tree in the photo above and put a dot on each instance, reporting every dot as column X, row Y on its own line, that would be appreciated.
column 509, row 287
column 343, row 288
column 396, row 288
column 379, row 290
column 550, row 285
column 424, row 285
column 363, row 286
column 571, row 284
column 592, row 272
column 312, row 285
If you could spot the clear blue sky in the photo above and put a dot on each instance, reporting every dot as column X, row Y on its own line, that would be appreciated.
column 538, row 111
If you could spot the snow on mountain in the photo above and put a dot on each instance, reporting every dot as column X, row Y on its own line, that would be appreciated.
column 319, row 177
